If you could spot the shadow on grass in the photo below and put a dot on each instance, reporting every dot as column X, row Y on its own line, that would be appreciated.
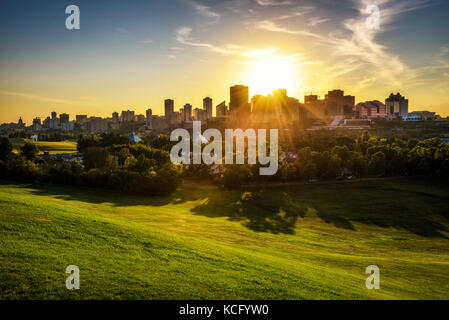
column 403, row 205
column 260, row 211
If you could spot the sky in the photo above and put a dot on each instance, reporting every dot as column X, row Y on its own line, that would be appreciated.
column 134, row 54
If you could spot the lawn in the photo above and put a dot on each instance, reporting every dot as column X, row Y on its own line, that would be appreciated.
column 296, row 242
column 53, row 147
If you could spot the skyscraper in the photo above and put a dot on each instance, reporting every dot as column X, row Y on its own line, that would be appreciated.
column 222, row 109
column 169, row 109
column 82, row 118
column 64, row 118
column 149, row 114
column 128, row 116
column 115, row 117
column 207, row 105
column 239, row 107
column 187, row 112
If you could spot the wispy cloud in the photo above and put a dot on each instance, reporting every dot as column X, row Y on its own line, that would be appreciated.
column 272, row 26
column 270, row 3
column 37, row 97
column 145, row 41
column 183, row 36
column 316, row 20
column 203, row 10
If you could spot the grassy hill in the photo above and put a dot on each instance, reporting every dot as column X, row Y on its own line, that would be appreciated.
column 296, row 242
column 52, row 147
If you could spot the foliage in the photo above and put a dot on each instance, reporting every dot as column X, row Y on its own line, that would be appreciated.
column 5, row 148
column 29, row 150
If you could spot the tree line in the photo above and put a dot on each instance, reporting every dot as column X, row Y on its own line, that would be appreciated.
column 127, row 167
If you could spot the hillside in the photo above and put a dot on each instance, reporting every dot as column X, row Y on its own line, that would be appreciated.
column 297, row 242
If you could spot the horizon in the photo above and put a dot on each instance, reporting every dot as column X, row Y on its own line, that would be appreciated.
column 177, row 107
column 133, row 58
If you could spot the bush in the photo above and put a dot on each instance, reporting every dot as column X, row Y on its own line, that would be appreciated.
column 5, row 148
column 29, row 151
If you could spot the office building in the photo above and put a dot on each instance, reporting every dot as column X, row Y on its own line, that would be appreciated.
column 149, row 114
column 64, row 118
column 207, row 106
column 81, row 118
column 187, row 112
column 115, row 117
column 221, row 110
column 397, row 105
column 127, row 116
column 239, row 106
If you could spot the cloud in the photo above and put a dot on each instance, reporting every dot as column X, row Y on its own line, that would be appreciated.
column 266, row 3
column 36, row 97
column 269, row 25
column 376, row 61
column 183, row 36
column 146, row 41
column 316, row 20
column 204, row 10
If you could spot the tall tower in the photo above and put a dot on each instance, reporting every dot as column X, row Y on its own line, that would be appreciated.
column 207, row 105
column 149, row 115
column 187, row 112
column 169, row 107
column 239, row 106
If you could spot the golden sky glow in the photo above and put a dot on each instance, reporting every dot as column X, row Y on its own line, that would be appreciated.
column 135, row 56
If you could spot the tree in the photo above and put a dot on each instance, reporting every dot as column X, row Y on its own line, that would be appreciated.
column 5, row 148
column 333, row 167
column 357, row 164
column 29, row 151
column 95, row 158
column 378, row 163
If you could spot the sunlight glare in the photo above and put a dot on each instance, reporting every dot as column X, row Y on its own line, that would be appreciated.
column 270, row 73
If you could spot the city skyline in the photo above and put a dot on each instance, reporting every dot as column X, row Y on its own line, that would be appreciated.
column 127, row 114
column 186, row 50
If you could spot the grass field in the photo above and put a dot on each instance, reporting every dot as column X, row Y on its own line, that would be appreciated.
column 297, row 242
column 50, row 146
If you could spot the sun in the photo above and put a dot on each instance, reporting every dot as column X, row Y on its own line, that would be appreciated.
column 272, row 72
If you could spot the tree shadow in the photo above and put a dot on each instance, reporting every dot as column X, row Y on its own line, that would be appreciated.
column 258, row 210
column 102, row 196
column 419, row 209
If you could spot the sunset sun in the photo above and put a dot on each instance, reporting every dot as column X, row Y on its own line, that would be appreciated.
column 268, row 73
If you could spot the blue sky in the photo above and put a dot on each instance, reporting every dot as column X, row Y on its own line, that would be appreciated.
column 134, row 54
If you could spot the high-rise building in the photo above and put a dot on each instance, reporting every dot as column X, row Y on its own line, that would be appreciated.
column 396, row 105
column 239, row 106
column 115, row 117
column 187, row 112
column 37, row 126
column 64, row 118
column 221, row 110
column 128, row 116
column 80, row 118
column 169, row 109
column 207, row 106
column 200, row 114
column 277, row 109
column 46, row 123
column 338, row 104
column 54, row 122
column 149, row 114
column 335, row 103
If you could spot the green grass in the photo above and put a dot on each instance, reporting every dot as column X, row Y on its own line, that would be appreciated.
column 297, row 242
column 53, row 147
